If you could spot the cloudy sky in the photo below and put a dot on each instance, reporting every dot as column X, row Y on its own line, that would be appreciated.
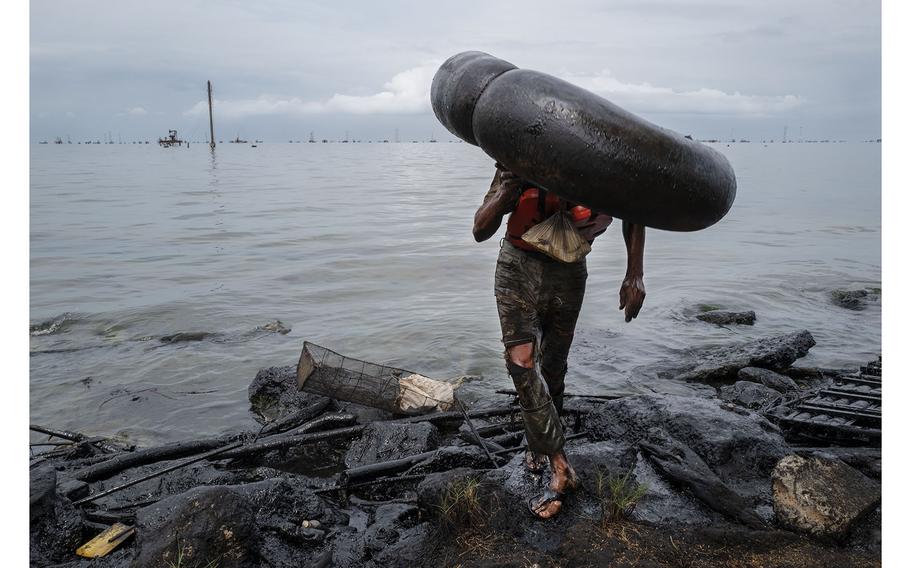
column 281, row 69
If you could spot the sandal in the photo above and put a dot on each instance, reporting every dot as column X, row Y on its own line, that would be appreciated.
column 535, row 463
column 535, row 504
column 548, row 496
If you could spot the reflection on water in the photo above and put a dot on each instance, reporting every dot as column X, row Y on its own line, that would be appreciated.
column 367, row 249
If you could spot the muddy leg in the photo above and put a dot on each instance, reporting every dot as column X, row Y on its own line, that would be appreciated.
column 542, row 426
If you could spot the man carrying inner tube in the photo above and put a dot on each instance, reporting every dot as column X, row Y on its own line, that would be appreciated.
column 539, row 299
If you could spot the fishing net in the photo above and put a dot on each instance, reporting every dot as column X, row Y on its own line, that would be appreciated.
column 558, row 238
column 325, row 372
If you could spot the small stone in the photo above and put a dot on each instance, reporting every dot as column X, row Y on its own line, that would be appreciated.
column 821, row 497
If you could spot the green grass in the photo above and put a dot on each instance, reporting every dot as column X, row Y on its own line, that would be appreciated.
column 618, row 495
column 462, row 508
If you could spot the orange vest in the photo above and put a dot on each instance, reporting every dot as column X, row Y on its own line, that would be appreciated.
column 529, row 211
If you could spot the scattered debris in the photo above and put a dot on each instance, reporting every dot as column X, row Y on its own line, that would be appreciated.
column 846, row 412
column 106, row 541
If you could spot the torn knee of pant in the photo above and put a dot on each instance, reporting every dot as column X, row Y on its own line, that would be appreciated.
column 515, row 370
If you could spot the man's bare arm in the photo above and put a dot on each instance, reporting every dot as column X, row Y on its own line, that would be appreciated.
column 499, row 201
column 632, row 291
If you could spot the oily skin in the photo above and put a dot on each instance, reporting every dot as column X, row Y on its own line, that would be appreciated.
column 487, row 221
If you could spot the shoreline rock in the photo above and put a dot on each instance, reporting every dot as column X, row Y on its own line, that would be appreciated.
column 723, row 317
column 705, row 464
column 821, row 497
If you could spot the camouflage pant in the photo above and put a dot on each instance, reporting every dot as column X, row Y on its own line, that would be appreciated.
column 538, row 301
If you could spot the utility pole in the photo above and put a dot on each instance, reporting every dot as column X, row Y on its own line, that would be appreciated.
column 211, row 122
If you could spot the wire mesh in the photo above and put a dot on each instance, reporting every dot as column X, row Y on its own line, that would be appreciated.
column 328, row 373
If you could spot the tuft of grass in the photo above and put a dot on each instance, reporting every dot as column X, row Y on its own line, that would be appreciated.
column 461, row 508
column 183, row 562
column 617, row 495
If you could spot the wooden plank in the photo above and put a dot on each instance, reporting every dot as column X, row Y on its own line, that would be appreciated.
column 107, row 541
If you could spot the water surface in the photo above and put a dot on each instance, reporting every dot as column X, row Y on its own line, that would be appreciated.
column 367, row 249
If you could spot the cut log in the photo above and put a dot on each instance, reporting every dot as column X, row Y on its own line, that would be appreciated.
column 684, row 467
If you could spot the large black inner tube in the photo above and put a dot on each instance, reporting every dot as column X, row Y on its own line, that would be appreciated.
column 581, row 146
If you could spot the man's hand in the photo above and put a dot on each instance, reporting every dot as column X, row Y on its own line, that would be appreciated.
column 632, row 296
column 509, row 186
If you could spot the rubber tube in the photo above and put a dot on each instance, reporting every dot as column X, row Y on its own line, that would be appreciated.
column 581, row 146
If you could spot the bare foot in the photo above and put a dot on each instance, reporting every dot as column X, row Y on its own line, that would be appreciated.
column 534, row 462
column 562, row 480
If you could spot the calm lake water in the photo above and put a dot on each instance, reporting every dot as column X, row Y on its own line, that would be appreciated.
column 367, row 249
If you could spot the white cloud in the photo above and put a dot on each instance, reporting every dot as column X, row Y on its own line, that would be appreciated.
column 137, row 111
column 408, row 92
column 644, row 97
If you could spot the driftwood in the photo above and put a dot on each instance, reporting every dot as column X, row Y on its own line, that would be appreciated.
column 285, row 441
column 157, row 473
column 391, row 467
column 684, row 467
column 127, row 460
column 100, row 443
column 506, row 439
column 297, row 418
column 477, row 437
column 488, row 444
column 337, row 420
column 303, row 434
column 346, row 486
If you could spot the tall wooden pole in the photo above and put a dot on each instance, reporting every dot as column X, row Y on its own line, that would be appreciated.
column 211, row 123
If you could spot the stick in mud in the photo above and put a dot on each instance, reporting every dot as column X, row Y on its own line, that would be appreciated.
column 127, row 460
column 75, row 437
column 292, row 421
column 476, row 435
column 207, row 455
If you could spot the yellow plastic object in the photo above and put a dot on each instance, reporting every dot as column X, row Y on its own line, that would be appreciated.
column 107, row 541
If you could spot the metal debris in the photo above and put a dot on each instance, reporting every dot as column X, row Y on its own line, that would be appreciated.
column 848, row 412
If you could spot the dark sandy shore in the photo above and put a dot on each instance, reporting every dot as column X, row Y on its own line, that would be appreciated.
column 729, row 478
